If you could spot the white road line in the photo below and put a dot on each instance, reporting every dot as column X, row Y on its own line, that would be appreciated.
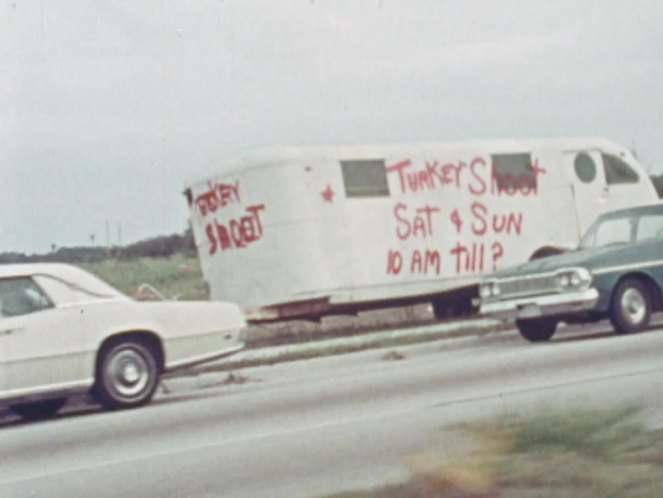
column 314, row 427
column 206, row 446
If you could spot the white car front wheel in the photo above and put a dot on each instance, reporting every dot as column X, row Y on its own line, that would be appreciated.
column 127, row 375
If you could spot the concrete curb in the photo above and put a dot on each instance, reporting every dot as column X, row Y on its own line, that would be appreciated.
column 343, row 345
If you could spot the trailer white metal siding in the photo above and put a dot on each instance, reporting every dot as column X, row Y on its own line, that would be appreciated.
column 354, row 224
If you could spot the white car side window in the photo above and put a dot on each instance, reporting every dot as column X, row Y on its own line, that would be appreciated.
column 62, row 292
column 20, row 296
column 57, row 291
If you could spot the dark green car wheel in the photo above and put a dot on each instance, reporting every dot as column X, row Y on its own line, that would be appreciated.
column 630, row 308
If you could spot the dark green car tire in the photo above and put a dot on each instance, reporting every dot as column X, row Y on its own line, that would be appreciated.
column 630, row 307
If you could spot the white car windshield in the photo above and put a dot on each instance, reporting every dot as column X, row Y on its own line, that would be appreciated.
column 624, row 227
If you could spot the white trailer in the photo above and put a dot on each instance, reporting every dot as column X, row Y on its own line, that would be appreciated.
column 304, row 232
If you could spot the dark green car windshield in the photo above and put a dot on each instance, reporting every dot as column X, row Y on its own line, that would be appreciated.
column 624, row 227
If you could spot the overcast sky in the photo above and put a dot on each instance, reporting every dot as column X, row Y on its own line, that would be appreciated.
column 107, row 107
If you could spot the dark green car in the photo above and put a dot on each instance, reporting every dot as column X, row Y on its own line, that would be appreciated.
column 616, row 273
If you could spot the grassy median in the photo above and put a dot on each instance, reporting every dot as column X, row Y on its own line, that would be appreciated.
column 180, row 277
column 578, row 454
column 177, row 276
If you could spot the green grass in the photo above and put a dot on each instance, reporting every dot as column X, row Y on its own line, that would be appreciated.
column 176, row 276
column 181, row 276
column 584, row 453
column 594, row 434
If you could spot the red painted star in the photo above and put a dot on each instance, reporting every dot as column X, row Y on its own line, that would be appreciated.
column 328, row 194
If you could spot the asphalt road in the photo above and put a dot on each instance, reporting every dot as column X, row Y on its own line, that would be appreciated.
column 307, row 428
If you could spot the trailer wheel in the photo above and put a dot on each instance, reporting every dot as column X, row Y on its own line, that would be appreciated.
column 456, row 304
column 537, row 330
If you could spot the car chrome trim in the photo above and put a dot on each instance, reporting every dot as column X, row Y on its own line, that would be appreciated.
column 88, row 353
column 549, row 304
column 192, row 361
column 632, row 266
column 50, row 389
column 534, row 284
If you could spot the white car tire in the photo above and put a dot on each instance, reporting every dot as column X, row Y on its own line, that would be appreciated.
column 127, row 374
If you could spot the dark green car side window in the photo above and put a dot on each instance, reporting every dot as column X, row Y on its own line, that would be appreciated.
column 650, row 227
column 614, row 232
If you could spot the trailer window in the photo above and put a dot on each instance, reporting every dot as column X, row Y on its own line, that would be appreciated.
column 365, row 178
column 513, row 171
column 617, row 171
column 585, row 167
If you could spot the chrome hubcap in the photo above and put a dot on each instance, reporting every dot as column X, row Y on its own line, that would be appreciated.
column 128, row 372
column 131, row 373
column 634, row 306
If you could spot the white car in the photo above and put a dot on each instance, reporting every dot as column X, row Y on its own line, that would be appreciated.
column 63, row 331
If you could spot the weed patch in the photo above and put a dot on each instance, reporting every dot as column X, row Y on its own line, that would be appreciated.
column 561, row 455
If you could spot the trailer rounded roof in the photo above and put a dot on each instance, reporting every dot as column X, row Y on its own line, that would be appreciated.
column 277, row 155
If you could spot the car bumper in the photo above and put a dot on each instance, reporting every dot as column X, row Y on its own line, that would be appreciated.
column 544, row 305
